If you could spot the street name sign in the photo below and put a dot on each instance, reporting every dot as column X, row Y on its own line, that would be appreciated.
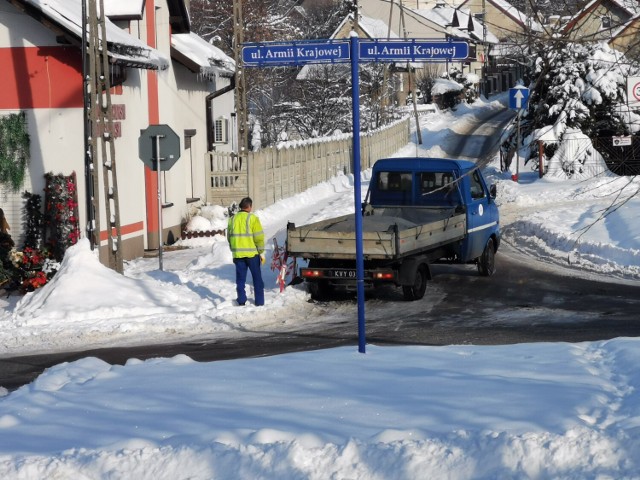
column 295, row 53
column 271, row 54
column 414, row 50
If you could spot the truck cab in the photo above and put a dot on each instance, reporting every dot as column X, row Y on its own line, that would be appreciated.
column 441, row 184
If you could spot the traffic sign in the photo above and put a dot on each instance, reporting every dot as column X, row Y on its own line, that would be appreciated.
column 633, row 91
column 162, row 138
column 295, row 53
column 270, row 54
column 414, row 50
column 518, row 98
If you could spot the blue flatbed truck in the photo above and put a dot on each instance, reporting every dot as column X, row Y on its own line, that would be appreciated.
column 417, row 212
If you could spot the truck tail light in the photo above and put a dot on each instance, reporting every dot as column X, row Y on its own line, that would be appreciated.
column 310, row 273
column 383, row 276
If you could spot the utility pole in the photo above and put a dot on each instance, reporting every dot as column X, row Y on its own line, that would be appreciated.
column 412, row 81
column 101, row 135
column 385, row 99
column 241, row 85
column 94, row 240
column 485, row 50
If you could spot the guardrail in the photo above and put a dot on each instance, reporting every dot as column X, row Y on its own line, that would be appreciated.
column 274, row 173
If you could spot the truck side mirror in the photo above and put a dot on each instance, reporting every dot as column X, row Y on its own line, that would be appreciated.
column 493, row 191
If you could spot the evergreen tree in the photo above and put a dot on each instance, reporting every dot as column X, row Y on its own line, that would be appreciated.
column 578, row 86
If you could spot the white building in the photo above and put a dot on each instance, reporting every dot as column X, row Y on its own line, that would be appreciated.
column 161, row 73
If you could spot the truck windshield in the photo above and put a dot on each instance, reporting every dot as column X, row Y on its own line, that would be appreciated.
column 435, row 181
column 438, row 188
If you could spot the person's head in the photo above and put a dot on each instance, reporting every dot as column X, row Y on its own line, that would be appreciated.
column 246, row 203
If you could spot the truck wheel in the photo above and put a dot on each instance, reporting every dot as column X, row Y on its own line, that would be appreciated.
column 416, row 291
column 487, row 261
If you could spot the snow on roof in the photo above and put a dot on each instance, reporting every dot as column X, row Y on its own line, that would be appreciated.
column 518, row 15
column 444, row 85
column 372, row 27
column 621, row 28
column 123, row 47
column 629, row 5
column 444, row 16
column 124, row 8
column 206, row 58
column 587, row 9
column 375, row 28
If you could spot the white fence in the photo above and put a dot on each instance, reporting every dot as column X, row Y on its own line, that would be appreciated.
column 274, row 173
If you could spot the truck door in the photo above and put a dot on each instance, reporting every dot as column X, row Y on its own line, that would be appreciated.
column 481, row 216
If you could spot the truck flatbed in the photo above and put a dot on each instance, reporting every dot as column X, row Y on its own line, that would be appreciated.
column 388, row 233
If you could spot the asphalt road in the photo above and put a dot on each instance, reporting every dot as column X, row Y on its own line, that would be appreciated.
column 525, row 301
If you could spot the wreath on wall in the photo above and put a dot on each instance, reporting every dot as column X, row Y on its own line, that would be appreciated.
column 14, row 149
column 61, row 213
column 47, row 236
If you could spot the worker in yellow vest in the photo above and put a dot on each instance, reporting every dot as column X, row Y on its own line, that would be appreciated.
column 246, row 240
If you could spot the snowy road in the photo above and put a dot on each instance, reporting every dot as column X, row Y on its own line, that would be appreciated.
column 188, row 307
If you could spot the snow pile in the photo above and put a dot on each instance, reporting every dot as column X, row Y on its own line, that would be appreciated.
column 576, row 158
column 208, row 218
column 550, row 411
column 444, row 85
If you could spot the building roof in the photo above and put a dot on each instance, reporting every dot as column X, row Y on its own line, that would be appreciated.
column 371, row 27
column 464, row 25
column 516, row 15
column 591, row 6
column 375, row 28
column 65, row 17
column 200, row 56
column 124, row 9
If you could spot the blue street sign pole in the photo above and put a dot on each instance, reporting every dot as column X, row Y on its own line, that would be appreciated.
column 357, row 189
column 270, row 54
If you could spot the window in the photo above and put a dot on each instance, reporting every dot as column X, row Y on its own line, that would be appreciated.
column 477, row 191
column 606, row 22
column 395, row 181
column 221, row 130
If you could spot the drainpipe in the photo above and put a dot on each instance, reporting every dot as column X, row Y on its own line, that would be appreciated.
column 209, row 109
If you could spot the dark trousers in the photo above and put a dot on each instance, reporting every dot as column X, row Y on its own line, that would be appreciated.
column 253, row 265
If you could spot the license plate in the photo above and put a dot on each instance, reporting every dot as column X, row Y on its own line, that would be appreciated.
column 344, row 273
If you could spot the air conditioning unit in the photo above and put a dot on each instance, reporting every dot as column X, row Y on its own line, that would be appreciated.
column 221, row 130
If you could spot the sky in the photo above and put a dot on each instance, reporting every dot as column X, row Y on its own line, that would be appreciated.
column 539, row 410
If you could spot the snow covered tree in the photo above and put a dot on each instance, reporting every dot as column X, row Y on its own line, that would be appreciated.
column 322, row 102
column 275, row 100
column 263, row 21
column 576, row 87
column 323, row 16
column 579, row 86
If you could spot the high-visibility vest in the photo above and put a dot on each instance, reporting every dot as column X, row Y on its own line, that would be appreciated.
column 245, row 235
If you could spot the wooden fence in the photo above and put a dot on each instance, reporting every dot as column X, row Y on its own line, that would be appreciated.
column 272, row 174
